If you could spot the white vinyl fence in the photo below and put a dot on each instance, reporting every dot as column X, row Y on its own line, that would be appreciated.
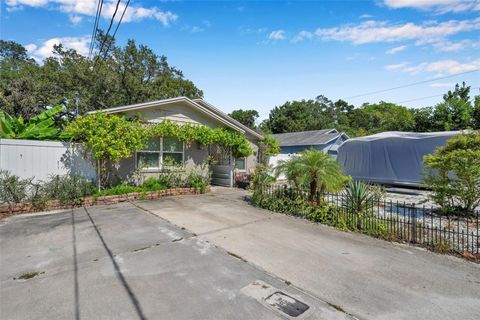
column 41, row 159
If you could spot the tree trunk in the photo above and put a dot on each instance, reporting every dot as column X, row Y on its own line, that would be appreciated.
column 313, row 189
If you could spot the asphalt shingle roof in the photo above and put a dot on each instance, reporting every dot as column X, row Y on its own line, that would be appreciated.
column 306, row 138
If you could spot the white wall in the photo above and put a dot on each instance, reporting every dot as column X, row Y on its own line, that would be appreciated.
column 274, row 160
column 41, row 159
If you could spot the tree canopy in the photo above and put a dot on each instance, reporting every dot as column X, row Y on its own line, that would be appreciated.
column 457, row 111
column 245, row 117
column 116, row 76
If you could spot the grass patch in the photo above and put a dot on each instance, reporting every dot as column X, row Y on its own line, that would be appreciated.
column 236, row 256
column 28, row 275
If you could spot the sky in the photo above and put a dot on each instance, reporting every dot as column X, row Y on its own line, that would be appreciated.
column 259, row 54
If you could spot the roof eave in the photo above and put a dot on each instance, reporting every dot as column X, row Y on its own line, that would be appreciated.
column 138, row 106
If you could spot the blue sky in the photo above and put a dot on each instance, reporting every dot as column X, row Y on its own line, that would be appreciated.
column 256, row 55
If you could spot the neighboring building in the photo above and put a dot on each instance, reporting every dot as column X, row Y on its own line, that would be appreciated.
column 326, row 140
column 184, row 110
column 392, row 158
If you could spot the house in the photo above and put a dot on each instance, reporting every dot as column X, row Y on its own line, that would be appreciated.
column 183, row 110
column 326, row 140
column 391, row 158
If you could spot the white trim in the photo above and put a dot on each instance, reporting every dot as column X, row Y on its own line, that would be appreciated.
column 160, row 157
column 235, row 164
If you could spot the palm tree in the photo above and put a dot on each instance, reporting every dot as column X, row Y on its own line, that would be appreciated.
column 315, row 170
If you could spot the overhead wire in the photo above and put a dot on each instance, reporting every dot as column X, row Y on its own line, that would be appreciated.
column 109, row 28
column 95, row 27
column 410, row 84
column 428, row 97
column 116, row 29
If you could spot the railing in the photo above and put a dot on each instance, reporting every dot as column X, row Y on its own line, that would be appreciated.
column 396, row 220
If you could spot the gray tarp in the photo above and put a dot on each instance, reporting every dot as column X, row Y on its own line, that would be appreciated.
column 390, row 157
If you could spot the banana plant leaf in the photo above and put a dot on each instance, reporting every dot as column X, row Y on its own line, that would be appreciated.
column 6, row 124
column 40, row 127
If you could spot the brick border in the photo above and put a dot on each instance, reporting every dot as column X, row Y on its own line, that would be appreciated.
column 20, row 208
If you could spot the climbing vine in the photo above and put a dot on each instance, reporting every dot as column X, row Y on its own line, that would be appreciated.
column 114, row 137
column 189, row 133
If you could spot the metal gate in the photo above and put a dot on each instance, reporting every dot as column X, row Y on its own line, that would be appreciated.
column 221, row 164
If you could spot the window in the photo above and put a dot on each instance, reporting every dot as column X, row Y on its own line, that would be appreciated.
column 240, row 164
column 159, row 152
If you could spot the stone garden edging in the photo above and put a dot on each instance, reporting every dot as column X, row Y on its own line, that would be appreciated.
column 20, row 208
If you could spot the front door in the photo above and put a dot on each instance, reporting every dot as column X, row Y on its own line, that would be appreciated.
column 221, row 164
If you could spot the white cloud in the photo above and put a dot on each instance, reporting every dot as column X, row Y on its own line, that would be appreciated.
column 40, row 52
column 397, row 66
column 395, row 49
column 366, row 16
column 302, row 35
column 196, row 29
column 442, row 85
column 74, row 19
column 449, row 46
column 277, row 35
column 89, row 7
column 438, row 6
column 381, row 31
column 439, row 67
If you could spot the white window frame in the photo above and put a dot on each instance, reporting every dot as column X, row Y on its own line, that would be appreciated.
column 235, row 164
column 160, row 157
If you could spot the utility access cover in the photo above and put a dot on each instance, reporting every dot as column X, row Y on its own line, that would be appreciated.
column 286, row 304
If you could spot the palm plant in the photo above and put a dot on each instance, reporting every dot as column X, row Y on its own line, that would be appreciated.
column 314, row 170
column 359, row 199
column 262, row 176
column 41, row 127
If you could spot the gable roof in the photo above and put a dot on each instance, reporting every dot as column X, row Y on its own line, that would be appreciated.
column 307, row 138
column 198, row 104
column 218, row 111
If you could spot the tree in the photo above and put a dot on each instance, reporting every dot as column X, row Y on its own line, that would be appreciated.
column 456, row 111
column 267, row 147
column 294, row 116
column 455, row 173
column 245, row 117
column 116, row 76
column 314, row 170
column 385, row 116
column 107, row 139
column 423, row 119
column 19, row 95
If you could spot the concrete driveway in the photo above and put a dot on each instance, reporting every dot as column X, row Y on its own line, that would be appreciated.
column 122, row 262
column 366, row 277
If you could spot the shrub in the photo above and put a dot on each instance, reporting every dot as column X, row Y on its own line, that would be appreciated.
column 153, row 184
column 69, row 190
column 294, row 203
column 13, row 189
column 262, row 176
column 38, row 197
column 120, row 189
column 455, row 174
column 198, row 177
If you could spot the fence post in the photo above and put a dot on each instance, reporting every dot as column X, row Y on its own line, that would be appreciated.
column 413, row 214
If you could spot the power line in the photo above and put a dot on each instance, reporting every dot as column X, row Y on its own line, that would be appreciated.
column 116, row 29
column 409, row 84
column 109, row 27
column 423, row 98
column 95, row 27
